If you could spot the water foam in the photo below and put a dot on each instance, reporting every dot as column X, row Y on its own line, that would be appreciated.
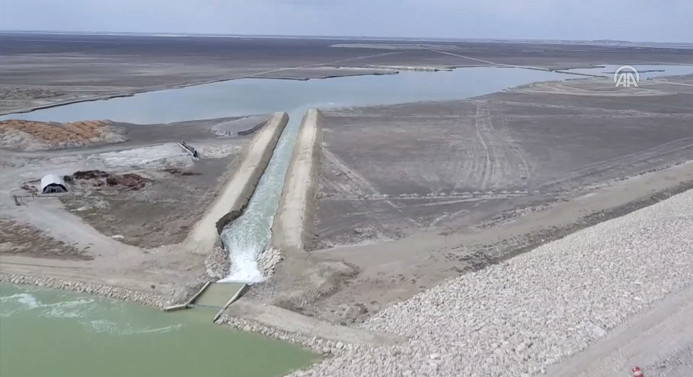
column 244, row 268
column 69, row 309
column 112, row 327
column 247, row 237
column 27, row 300
column 22, row 302
column 19, row 302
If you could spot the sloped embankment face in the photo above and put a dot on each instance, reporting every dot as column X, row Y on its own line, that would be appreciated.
column 535, row 310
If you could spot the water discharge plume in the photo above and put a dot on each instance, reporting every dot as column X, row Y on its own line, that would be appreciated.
column 248, row 236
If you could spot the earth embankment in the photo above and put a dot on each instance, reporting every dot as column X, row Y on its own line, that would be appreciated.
column 237, row 192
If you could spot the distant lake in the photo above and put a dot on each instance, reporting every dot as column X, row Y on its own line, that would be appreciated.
column 259, row 96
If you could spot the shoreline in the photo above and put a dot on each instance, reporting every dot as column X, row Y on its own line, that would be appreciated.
column 159, row 88
column 384, row 70
column 128, row 295
column 326, row 348
column 323, row 346
column 149, row 300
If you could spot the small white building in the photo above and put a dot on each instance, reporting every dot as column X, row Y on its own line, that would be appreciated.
column 52, row 183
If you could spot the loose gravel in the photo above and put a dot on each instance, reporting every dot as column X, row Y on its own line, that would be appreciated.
column 520, row 316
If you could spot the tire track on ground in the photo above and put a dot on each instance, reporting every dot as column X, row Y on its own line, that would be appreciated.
column 620, row 161
column 359, row 183
column 479, row 123
column 504, row 162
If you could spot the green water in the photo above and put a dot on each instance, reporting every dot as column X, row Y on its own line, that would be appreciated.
column 54, row 333
column 218, row 294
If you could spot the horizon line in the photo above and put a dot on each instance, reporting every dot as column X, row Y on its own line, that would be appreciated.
column 354, row 37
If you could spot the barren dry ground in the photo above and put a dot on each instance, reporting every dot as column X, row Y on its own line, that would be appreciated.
column 418, row 193
column 389, row 172
column 173, row 189
column 413, row 194
column 18, row 239
column 160, row 213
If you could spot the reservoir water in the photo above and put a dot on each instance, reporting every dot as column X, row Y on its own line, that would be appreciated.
column 53, row 333
column 63, row 334
column 259, row 96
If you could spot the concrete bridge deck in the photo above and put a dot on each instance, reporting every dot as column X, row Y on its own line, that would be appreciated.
column 217, row 296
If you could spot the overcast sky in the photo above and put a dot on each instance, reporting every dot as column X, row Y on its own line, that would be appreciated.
column 634, row 20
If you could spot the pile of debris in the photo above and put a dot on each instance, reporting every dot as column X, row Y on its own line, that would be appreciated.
column 32, row 135
column 90, row 174
column 100, row 178
column 184, row 173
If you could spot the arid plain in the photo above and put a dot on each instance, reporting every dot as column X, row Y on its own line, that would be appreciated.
column 400, row 198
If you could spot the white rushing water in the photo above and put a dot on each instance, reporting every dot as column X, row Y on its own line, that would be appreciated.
column 246, row 237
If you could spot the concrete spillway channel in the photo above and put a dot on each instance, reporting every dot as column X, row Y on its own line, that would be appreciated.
column 291, row 230
column 245, row 210
column 251, row 234
column 284, row 190
column 230, row 204
column 237, row 192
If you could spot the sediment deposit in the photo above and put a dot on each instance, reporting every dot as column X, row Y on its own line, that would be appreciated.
column 32, row 136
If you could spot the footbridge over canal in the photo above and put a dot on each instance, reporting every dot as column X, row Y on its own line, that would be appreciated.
column 214, row 296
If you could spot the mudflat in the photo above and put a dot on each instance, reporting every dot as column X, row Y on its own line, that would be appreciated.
column 389, row 172
column 411, row 195
column 40, row 70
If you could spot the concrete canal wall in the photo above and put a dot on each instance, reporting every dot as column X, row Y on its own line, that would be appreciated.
column 293, row 224
column 236, row 193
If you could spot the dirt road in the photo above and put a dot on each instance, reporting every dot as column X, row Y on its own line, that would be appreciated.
column 657, row 334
